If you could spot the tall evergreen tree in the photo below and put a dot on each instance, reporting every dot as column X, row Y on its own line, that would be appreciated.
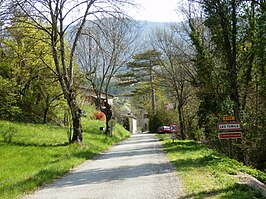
column 142, row 69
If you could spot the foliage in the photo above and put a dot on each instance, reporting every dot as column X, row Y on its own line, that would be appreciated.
column 162, row 117
column 141, row 74
column 8, row 108
column 145, row 94
column 29, row 90
column 8, row 131
column 100, row 116
column 56, row 19
column 43, row 154
column 141, row 68
column 230, row 74
column 165, row 114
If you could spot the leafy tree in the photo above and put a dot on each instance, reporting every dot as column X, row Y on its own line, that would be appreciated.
column 252, row 48
column 224, row 35
column 164, row 115
column 55, row 18
column 206, row 74
column 22, row 66
column 142, row 75
column 8, row 108
column 234, row 54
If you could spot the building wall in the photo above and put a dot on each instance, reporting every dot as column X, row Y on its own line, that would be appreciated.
column 143, row 123
column 133, row 125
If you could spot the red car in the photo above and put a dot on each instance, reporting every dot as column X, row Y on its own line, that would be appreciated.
column 164, row 129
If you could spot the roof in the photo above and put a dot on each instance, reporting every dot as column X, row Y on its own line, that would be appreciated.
column 90, row 92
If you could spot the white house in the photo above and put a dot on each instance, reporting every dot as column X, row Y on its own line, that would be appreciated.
column 133, row 127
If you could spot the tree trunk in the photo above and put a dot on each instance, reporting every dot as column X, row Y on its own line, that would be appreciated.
column 181, row 122
column 152, row 93
column 108, row 113
column 76, row 118
column 230, row 50
column 77, row 134
column 233, row 71
column 45, row 115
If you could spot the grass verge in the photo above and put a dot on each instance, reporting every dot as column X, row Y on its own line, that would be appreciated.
column 206, row 173
column 34, row 154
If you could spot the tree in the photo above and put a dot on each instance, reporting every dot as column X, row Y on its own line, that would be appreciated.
column 142, row 70
column 22, row 66
column 140, row 99
column 103, row 50
column 202, row 72
column 235, row 54
column 174, row 61
column 222, row 23
column 55, row 18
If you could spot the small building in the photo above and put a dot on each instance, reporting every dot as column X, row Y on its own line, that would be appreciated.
column 90, row 96
column 143, row 124
column 128, row 121
column 132, row 124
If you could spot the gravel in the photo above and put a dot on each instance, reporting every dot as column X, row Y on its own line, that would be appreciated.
column 136, row 168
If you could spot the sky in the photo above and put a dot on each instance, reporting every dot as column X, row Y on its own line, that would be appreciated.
column 157, row 10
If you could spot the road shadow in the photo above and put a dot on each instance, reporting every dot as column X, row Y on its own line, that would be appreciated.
column 96, row 176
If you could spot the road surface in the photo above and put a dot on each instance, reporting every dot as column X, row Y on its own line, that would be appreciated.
column 134, row 169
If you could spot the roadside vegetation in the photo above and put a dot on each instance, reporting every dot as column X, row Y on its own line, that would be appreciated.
column 35, row 154
column 206, row 173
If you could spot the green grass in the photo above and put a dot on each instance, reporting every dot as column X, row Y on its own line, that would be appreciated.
column 206, row 173
column 34, row 154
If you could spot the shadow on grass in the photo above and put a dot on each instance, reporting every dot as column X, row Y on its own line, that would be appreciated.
column 200, row 155
column 183, row 146
column 35, row 144
column 39, row 179
column 85, row 154
column 210, row 159
column 187, row 164
column 44, row 176
column 231, row 192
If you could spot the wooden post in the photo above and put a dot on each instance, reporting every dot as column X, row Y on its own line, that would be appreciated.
column 230, row 148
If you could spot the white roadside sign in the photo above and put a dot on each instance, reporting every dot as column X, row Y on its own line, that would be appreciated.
column 229, row 126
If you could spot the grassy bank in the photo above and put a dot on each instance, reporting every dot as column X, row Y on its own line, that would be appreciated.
column 208, row 174
column 32, row 155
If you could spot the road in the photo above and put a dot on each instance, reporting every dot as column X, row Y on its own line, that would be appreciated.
column 134, row 169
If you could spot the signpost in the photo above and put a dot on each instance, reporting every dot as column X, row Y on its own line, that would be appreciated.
column 230, row 130
column 229, row 118
column 174, row 129
column 230, row 135
column 112, row 124
column 229, row 126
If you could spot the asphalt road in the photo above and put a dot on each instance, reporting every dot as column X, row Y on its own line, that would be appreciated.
column 134, row 169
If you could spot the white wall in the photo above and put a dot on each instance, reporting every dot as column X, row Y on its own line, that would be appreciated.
column 133, row 125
